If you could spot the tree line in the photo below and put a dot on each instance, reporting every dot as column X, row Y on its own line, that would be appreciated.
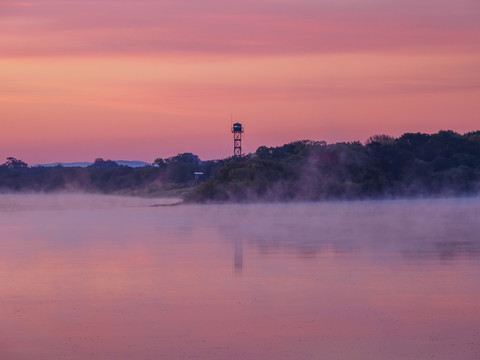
column 414, row 164
column 165, row 177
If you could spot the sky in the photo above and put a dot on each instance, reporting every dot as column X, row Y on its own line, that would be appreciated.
column 137, row 80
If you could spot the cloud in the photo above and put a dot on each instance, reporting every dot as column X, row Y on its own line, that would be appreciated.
column 48, row 28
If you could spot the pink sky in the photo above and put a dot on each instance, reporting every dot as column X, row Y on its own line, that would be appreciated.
column 145, row 79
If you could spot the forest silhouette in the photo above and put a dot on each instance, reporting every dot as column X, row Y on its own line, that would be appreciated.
column 415, row 164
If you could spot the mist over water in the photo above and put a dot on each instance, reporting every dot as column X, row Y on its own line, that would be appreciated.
column 105, row 277
column 74, row 201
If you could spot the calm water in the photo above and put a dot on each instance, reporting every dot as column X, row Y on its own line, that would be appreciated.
column 85, row 277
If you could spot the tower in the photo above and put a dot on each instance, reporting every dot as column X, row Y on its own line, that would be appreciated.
column 237, row 130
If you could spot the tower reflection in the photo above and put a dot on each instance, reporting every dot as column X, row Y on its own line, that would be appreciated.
column 238, row 259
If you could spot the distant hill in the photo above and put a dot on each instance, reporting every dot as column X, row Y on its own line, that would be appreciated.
column 72, row 164
column 133, row 164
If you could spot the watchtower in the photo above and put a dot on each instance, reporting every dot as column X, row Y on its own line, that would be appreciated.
column 237, row 130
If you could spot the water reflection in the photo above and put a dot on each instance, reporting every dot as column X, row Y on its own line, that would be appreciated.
column 442, row 229
column 116, row 279
column 238, row 258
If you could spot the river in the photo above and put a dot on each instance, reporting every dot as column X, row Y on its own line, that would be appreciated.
column 101, row 277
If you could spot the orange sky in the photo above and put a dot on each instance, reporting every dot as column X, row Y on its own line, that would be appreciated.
column 141, row 79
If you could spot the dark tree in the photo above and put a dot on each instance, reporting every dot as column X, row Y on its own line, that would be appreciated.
column 13, row 163
column 101, row 164
column 185, row 158
column 160, row 163
column 381, row 139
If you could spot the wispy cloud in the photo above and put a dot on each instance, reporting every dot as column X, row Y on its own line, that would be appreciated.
column 46, row 28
